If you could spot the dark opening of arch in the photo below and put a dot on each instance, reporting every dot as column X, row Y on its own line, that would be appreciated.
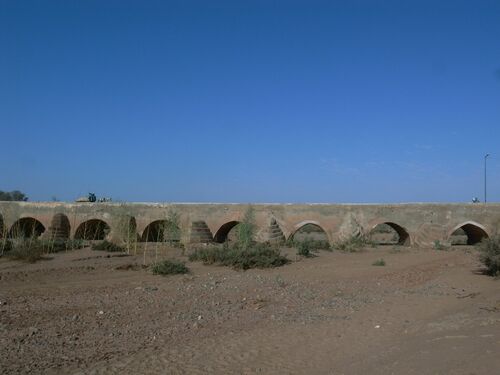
column 59, row 227
column 227, row 232
column 161, row 231
column 310, row 232
column 468, row 234
column 27, row 227
column 92, row 230
column 2, row 227
column 390, row 234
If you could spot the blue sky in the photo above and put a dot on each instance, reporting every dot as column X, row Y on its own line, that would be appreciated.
column 250, row 101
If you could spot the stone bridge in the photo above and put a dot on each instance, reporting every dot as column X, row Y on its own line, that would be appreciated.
column 416, row 224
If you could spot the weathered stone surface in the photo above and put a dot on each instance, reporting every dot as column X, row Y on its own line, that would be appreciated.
column 420, row 224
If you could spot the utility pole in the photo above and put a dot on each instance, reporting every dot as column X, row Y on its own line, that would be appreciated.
column 485, row 158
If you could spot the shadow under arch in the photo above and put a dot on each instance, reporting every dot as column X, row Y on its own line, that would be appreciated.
column 161, row 231
column 2, row 227
column 92, row 230
column 308, row 230
column 26, row 227
column 403, row 235
column 475, row 232
column 223, row 233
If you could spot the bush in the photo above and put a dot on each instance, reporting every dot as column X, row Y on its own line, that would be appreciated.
column 169, row 267
column 438, row 245
column 246, row 229
column 33, row 249
column 107, row 246
column 58, row 245
column 5, row 246
column 379, row 262
column 489, row 254
column 304, row 250
column 27, row 250
column 308, row 245
column 210, row 255
column 256, row 256
column 353, row 244
column 259, row 256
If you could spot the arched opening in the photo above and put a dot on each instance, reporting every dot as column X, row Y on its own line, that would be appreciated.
column 390, row 234
column 92, row 230
column 468, row 234
column 161, row 231
column 2, row 227
column 59, row 227
column 309, row 232
column 27, row 227
column 227, row 232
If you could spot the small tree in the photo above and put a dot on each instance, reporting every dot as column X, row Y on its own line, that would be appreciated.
column 246, row 230
column 128, row 232
column 15, row 195
column 171, row 231
column 489, row 254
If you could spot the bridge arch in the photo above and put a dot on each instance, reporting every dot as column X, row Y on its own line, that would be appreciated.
column 403, row 234
column 309, row 226
column 92, row 230
column 223, row 232
column 2, row 227
column 26, row 227
column 475, row 232
column 161, row 231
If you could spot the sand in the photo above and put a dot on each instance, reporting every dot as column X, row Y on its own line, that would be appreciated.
column 82, row 312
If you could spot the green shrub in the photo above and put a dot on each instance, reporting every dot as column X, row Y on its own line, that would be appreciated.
column 489, row 254
column 5, row 246
column 27, row 250
column 107, row 246
column 169, row 267
column 33, row 249
column 210, row 254
column 353, row 244
column 379, row 262
column 309, row 245
column 246, row 229
column 256, row 256
column 304, row 250
column 438, row 245
column 259, row 256
column 58, row 245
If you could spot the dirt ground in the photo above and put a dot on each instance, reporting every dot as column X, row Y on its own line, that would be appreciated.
column 82, row 312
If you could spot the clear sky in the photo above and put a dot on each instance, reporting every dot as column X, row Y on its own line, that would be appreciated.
column 250, row 101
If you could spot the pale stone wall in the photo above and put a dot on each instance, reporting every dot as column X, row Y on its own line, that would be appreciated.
column 424, row 223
